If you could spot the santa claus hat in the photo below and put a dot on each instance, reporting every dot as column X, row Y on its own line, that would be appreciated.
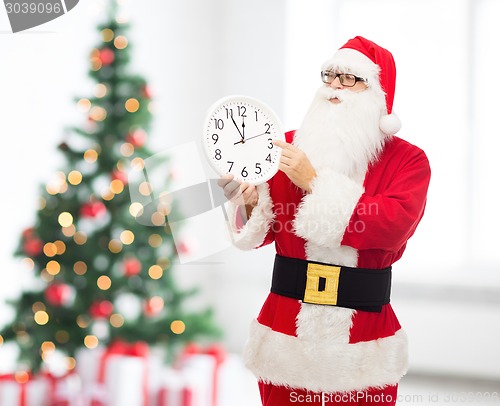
column 370, row 61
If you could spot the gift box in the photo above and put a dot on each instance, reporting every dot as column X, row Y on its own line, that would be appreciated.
column 115, row 376
column 24, row 390
column 177, row 389
column 201, row 369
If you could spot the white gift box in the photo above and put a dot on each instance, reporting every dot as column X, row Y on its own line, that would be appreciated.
column 113, row 379
column 36, row 393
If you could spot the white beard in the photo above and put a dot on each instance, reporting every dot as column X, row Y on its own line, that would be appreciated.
column 344, row 137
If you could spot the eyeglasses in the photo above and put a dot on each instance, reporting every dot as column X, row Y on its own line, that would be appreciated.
column 346, row 79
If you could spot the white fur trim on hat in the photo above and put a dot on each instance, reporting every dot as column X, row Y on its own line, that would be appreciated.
column 254, row 231
column 348, row 60
column 390, row 124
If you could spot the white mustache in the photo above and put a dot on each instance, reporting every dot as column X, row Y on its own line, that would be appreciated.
column 328, row 93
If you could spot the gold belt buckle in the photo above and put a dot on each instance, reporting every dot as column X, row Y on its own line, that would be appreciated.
column 328, row 296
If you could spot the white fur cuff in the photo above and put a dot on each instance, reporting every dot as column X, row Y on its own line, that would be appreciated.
column 252, row 234
column 324, row 214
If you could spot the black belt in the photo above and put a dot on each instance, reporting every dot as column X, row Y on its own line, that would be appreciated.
column 343, row 286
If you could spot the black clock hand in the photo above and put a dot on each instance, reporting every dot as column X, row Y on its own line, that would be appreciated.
column 255, row 136
column 243, row 128
column 236, row 125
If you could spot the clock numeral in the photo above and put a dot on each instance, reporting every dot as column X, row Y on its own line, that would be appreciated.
column 229, row 112
column 268, row 128
column 271, row 145
column 256, row 115
column 218, row 154
column 258, row 168
column 244, row 172
column 231, row 163
column 215, row 137
column 219, row 123
column 242, row 111
column 268, row 158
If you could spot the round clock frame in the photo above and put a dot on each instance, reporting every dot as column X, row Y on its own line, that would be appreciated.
column 237, row 137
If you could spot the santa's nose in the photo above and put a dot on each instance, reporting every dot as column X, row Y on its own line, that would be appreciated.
column 336, row 83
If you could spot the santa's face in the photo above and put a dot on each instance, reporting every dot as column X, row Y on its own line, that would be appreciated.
column 341, row 129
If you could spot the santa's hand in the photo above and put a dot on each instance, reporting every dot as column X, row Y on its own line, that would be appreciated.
column 296, row 165
column 240, row 193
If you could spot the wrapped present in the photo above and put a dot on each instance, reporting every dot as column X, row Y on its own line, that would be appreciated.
column 23, row 389
column 202, row 366
column 64, row 390
column 176, row 390
column 116, row 376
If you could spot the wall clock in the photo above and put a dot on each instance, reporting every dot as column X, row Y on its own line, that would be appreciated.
column 237, row 138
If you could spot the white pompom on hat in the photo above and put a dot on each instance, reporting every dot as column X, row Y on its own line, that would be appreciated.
column 370, row 61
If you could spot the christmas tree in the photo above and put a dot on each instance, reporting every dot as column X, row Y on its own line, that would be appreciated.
column 101, row 275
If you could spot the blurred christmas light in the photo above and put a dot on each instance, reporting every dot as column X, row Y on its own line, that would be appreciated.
column 90, row 155
column 106, row 56
column 41, row 317
column 37, row 306
column 100, row 90
column 80, row 238
column 21, row 377
column 103, row 282
column 107, row 195
column 145, row 189
column 62, row 336
column 29, row 263
column 157, row 218
column 65, row 219
column 75, row 177
column 1, row 340
column 116, row 320
column 80, row 268
column 53, row 268
column 154, row 305
column 121, row 42
column 107, row 35
column 136, row 209
column 127, row 149
column 155, row 240
column 116, row 186
column 61, row 247
column 127, row 237
column 177, row 327
column 47, row 347
column 132, row 105
column 42, row 203
column 84, row 105
column 91, row 341
column 45, row 276
column 155, row 272
column 164, row 263
column 50, row 249
column 82, row 321
column 70, row 363
column 69, row 231
column 115, row 246
column 98, row 113
column 137, row 164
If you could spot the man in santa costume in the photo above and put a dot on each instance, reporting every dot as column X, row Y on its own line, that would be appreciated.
column 348, row 196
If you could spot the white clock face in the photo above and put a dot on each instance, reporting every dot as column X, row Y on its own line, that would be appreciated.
column 238, row 135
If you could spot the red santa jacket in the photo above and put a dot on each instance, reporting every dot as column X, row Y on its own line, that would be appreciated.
column 344, row 222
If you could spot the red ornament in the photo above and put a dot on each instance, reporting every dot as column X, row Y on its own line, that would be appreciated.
column 153, row 306
column 28, row 233
column 101, row 309
column 107, row 56
column 119, row 175
column 59, row 294
column 93, row 209
column 131, row 267
column 33, row 246
column 137, row 138
column 146, row 92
